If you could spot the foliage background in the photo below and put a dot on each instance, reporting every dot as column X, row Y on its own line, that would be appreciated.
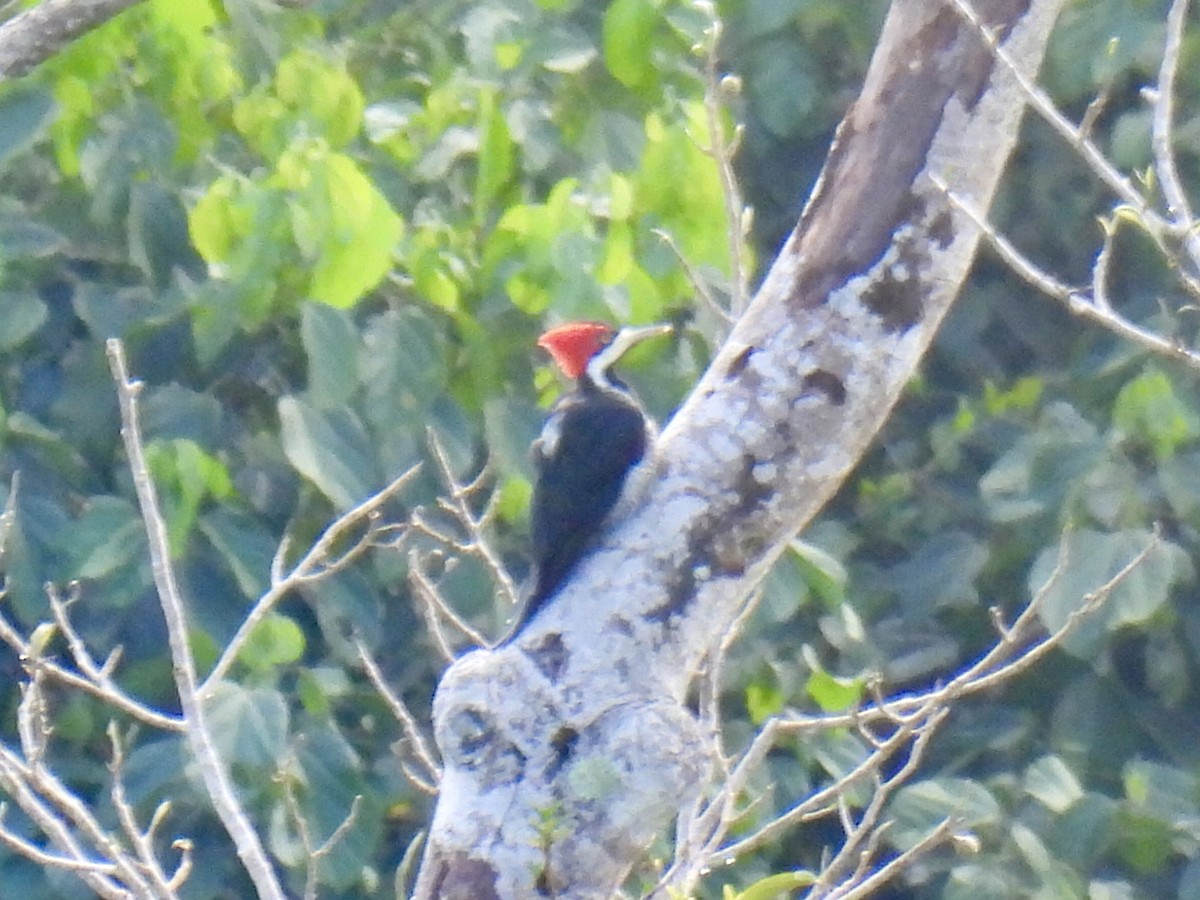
column 323, row 229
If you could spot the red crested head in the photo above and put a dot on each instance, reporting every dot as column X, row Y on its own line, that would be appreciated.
column 573, row 345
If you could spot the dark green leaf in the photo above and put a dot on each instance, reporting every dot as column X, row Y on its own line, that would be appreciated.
column 331, row 346
column 25, row 114
column 249, row 724
column 330, row 448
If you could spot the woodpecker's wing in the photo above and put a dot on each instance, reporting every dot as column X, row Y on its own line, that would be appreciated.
column 591, row 444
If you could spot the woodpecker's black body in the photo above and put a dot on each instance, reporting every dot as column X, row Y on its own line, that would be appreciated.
column 600, row 437
column 593, row 438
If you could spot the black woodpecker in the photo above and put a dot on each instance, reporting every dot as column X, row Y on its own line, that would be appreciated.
column 595, row 436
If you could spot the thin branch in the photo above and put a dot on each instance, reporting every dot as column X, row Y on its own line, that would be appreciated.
column 723, row 152
column 1162, row 123
column 212, row 770
column 868, row 828
column 55, row 809
column 314, row 854
column 944, row 833
column 421, row 748
column 1082, row 144
column 321, row 560
column 108, row 691
column 460, row 507
column 141, row 841
column 437, row 610
column 910, row 719
column 47, row 860
column 1076, row 300
column 695, row 279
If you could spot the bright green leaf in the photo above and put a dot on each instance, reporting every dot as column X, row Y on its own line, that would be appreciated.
column 628, row 40
column 834, row 694
column 495, row 156
column 275, row 641
column 763, row 701
column 1148, row 410
column 360, row 235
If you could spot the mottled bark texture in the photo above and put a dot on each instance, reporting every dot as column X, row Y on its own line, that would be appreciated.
column 569, row 750
column 33, row 36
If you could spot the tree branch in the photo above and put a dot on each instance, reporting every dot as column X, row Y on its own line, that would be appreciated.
column 33, row 36
column 594, row 690
column 216, row 777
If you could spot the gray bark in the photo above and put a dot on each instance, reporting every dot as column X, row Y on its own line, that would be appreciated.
column 33, row 36
column 567, row 751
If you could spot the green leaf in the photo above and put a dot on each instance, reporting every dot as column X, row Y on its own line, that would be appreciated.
column 23, row 314
column 1148, row 410
column 215, row 222
column 324, row 92
column 763, row 701
column 158, row 234
column 628, row 41
column 25, row 114
column 330, row 448
column 1092, row 559
column 249, row 725
column 1051, row 783
column 823, row 573
column 243, row 545
column 834, row 694
column 919, row 808
column 495, row 156
column 107, row 536
column 275, row 641
column 331, row 347
column 777, row 887
column 186, row 476
column 359, row 237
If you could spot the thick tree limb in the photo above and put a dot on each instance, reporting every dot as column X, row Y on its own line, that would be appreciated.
column 567, row 751
column 33, row 36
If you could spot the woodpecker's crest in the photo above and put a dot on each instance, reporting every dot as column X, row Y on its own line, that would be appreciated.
column 575, row 344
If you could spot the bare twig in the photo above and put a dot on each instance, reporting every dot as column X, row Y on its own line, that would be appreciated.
column 1162, row 124
column 61, row 815
column 906, row 721
column 944, row 833
column 1109, row 174
column 323, row 558
column 1076, row 300
column 697, row 281
column 459, row 506
column 107, row 691
column 141, row 840
column 313, row 854
column 212, row 770
column 437, row 611
column 415, row 739
column 723, row 152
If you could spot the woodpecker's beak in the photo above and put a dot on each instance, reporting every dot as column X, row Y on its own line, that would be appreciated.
column 630, row 337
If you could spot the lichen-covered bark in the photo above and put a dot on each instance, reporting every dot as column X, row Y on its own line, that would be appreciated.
column 568, row 750
column 33, row 36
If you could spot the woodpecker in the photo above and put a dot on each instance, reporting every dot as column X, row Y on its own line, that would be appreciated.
column 593, row 439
